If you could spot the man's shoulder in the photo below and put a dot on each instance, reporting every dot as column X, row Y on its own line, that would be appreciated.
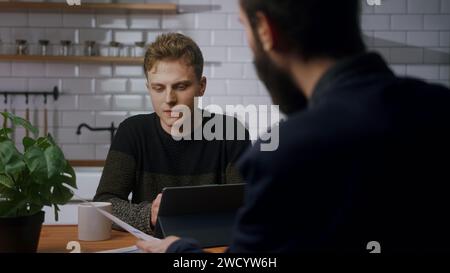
column 138, row 120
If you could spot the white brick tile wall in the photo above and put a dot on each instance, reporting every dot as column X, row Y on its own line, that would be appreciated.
column 444, row 39
column 105, row 118
column 250, row 72
column 437, row 56
column 437, row 22
column 101, row 151
column 212, row 21
column 91, row 137
column 242, row 87
column 407, row 22
column 444, row 72
column 13, row 84
column 391, row 6
column 5, row 68
column 413, row 35
column 32, row 35
column 226, row 6
column 375, row 22
column 15, row 19
column 216, row 87
column 201, row 37
column 421, row 7
column 45, row 19
column 429, row 72
column 145, row 21
column 228, row 71
column 78, row 20
column 128, row 102
column 423, row 38
column 233, row 21
column 111, row 21
column 74, row 118
column 228, row 37
column 28, row 69
column 94, row 70
column 66, row 135
column 406, row 55
column 78, row 86
column 128, row 37
column 66, row 102
column 183, row 21
column 129, row 70
column 99, row 35
column 389, row 38
column 138, row 86
column 96, row 102
column 55, row 35
column 43, row 84
column 240, row 54
column 214, row 54
column 79, row 151
column 445, row 6
column 5, row 35
column 62, row 70
column 111, row 86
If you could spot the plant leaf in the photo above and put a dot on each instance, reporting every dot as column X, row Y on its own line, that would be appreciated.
column 55, row 161
column 11, row 161
column 6, row 181
column 71, row 181
column 61, row 195
column 36, row 163
column 28, row 142
column 18, row 121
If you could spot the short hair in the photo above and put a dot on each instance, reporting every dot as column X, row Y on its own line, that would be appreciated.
column 174, row 46
column 312, row 28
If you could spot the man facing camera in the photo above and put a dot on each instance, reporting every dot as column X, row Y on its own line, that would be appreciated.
column 158, row 150
column 364, row 167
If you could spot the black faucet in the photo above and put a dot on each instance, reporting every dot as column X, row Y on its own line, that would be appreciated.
column 111, row 129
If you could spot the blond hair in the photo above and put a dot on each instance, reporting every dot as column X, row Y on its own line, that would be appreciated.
column 174, row 46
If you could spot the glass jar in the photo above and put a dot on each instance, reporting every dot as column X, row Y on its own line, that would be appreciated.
column 66, row 48
column 43, row 47
column 90, row 48
column 139, row 49
column 114, row 49
column 21, row 47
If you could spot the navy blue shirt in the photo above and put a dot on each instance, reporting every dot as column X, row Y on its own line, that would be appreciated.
column 366, row 161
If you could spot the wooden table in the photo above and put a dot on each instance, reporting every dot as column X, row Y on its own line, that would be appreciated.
column 54, row 239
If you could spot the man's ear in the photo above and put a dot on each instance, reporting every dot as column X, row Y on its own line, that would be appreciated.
column 202, row 90
column 266, row 31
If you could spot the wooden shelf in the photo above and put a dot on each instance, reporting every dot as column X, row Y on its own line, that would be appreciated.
column 91, row 7
column 73, row 59
column 87, row 163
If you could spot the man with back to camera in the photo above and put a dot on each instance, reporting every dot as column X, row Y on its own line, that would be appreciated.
column 147, row 154
column 365, row 161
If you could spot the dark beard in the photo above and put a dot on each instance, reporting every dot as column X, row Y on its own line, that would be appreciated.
column 280, row 85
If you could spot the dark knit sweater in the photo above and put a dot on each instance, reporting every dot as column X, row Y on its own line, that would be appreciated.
column 143, row 159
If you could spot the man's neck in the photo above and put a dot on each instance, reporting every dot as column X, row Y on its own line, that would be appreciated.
column 307, row 74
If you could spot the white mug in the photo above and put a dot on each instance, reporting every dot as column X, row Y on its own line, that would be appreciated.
column 92, row 225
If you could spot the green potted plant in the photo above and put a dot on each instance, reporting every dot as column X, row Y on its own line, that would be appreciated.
column 29, row 180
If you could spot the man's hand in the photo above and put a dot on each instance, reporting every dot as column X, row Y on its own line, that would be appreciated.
column 155, row 208
column 158, row 246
